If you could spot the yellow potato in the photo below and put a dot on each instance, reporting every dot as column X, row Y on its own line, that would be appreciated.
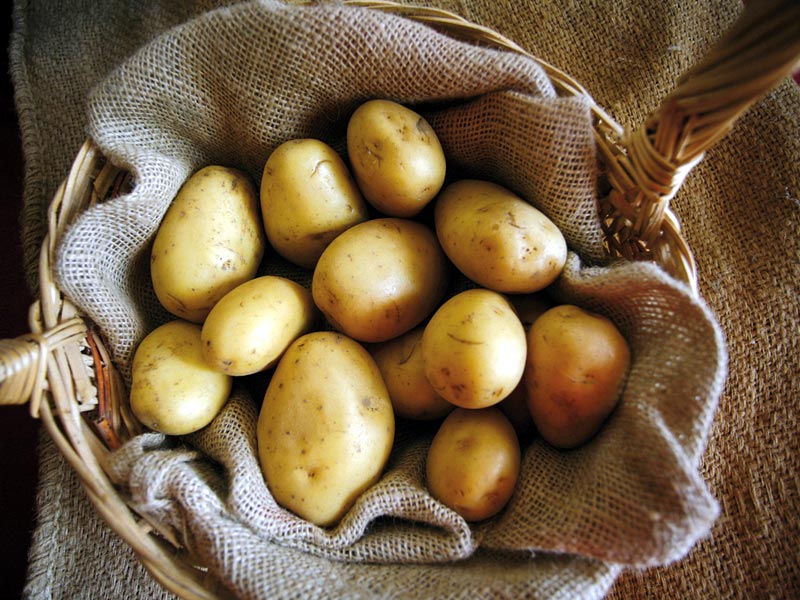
column 473, row 462
column 396, row 157
column 497, row 239
column 326, row 427
column 576, row 367
column 253, row 324
column 474, row 349
column 173, row 390
column 307, row 198
column 400, row 362
column 210, row 240
column 380, row 279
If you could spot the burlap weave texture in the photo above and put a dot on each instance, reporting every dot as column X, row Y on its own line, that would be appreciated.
column 204, row 94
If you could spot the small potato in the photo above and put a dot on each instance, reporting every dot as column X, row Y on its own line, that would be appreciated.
column 380, row 279
column 396, row 157
column 210, row 240
column 173, row 390
column 496, row 239
column 400, row 362
column 253, row 324
column 474, row 349
column 473, row 462
column 576, row 367
column 326, row 427
column 307, row 198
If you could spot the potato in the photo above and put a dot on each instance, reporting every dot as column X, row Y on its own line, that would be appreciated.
column 325, row 428
column 576, row 367
column 210, row 240
column 474, row 349
column 308, row 197
column 396, row 157
column 253, row 324
column 380, row 279
column 496, row 239
column 173, row 390
column 403, row 370
column 473, row 462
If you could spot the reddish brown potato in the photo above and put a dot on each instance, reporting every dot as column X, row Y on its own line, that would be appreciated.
column 576, row 366
column 473, row 462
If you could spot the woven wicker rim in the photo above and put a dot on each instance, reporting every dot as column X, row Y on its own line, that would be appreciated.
column 64, row 371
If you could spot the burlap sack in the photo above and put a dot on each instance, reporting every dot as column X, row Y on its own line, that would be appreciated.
column 228, row 87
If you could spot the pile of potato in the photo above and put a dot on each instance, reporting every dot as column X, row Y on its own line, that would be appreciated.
column 379, row 335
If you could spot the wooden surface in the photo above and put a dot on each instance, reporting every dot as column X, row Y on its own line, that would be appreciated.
column 18, row 431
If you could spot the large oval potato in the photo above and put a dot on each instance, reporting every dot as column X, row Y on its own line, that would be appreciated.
column 307, row 198
column 173, row 390
column 576, row 367
column 380, row 279
column 210, row 240
column 396, row 157
column 497, row 239
column 473, row 462
column 403, row 370
column 253, row 324
column 474, row 349
column 326, row 427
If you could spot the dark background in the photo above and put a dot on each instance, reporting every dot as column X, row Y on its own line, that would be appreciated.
column 18, row 431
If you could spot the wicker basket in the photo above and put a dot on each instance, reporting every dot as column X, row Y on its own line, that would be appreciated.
column 63, row 370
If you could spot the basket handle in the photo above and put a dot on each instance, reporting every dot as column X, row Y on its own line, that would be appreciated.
column 761, row 50
column 645, row 169
column 54, row 322
column 23, row 362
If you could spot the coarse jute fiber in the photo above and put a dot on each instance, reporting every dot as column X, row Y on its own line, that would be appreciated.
column 651, row 511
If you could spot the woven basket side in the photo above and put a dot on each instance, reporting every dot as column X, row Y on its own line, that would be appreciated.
column 649, row 165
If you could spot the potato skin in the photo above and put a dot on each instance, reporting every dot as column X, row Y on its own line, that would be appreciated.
column 308, row 197
column 326, row 427
column 474, row 349
column 473, row 462
column 497, row 239
column 173, row 390
column 209, row 241
column 396, row 157
column 253, row 324
column 380, row 279
column 403, row 370
column 576, row 366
